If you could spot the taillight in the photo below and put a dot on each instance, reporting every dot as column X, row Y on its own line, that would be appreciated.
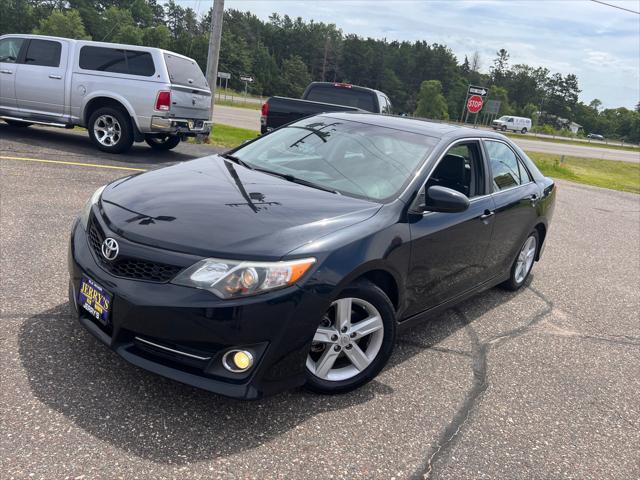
column 265, row 109
column 163, row 101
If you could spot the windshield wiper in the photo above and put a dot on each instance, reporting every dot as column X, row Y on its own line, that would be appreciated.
column 297, row 180
column 237, row 160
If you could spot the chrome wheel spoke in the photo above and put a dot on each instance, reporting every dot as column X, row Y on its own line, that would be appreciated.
column 325, row 362
column 366, row 327
column 324, row 334
column 343, row 313
column 357, row 357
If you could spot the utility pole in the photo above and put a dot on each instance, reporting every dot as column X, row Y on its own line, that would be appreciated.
column 215, row 35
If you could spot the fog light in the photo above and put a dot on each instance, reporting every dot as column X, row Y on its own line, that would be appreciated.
column 237, row 361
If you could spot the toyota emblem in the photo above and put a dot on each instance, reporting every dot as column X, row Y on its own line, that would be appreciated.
column 110, row 248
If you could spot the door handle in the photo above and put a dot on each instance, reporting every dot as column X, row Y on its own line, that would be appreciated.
column 55, row 77
column 487, row 214
column 8, row 72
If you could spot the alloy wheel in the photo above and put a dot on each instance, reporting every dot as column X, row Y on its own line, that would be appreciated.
column 347, row 341
column 107, row 130
column 525, row 259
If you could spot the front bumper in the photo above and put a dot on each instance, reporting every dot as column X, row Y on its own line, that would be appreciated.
column 182, row 333
column 184, row 126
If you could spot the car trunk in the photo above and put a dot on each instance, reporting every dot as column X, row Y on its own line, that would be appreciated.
column 190, row 94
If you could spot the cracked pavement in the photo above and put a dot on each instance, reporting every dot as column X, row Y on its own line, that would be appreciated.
column 543, row 383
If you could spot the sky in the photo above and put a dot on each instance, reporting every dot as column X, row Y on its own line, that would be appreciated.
column 598, row 43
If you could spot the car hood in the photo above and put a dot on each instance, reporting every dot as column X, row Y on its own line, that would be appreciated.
column 214, row 207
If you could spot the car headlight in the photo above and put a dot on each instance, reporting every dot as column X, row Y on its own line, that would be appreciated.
column 86, row 210
column 231, row 278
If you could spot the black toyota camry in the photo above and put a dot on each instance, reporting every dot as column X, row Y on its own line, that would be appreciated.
column 293, row 259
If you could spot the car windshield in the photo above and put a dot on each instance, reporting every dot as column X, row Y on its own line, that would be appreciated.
column 503, row 119
column 351, row 158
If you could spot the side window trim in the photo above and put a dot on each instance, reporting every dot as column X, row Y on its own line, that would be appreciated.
column 476, row 140
column 23, row 51
column 521, row 163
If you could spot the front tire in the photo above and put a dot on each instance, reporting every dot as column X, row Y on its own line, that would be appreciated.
column 503, row 128
column 111, row 130
column 166, row 142
column 523, row 263
column 353, row 342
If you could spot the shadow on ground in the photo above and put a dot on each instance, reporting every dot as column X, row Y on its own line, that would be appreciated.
column 72, row 144
column 167, row 422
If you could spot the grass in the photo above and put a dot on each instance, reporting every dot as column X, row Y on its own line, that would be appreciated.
column 239, row 104
column 612, row 174
column 228, row 137
column 623, row 176
column 574, row 142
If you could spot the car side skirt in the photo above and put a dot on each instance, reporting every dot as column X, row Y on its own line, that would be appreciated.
column 438, row 309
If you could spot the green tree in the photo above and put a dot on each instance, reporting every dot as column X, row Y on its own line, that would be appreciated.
column 17, row 17
column 159, row 37
column 500, row 94
column 530, row 110
column 500, row 66
column 431, row 102
column 295, row 76
column 63, row 24
column 129, row 34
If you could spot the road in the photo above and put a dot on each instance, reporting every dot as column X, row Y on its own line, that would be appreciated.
column 539, row 384
column 250, row 119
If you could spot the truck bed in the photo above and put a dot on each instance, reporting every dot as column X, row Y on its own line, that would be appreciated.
column 283, row 110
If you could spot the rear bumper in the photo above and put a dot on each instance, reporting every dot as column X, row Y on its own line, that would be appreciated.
column 182, row 333
column 183, row 126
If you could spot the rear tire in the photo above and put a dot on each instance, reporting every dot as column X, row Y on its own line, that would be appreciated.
column 168, row 142
column 111, row 130
column 16, row 123
column 354, row 352
column 523, row 131
column 523, row 263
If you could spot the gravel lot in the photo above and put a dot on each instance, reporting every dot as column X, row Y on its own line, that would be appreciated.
column 536, row 385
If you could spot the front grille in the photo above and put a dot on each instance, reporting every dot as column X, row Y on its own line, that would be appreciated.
column 128, row 267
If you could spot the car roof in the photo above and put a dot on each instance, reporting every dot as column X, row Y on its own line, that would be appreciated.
column 420, row 126
column 98, row 44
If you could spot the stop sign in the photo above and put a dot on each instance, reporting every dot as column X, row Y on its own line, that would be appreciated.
column 474, row 104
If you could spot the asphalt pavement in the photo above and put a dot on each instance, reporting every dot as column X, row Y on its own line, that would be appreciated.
column 540, row 384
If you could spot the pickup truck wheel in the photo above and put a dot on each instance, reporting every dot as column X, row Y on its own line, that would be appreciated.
column 16, row 123
column 164, row 142
column 110, row 130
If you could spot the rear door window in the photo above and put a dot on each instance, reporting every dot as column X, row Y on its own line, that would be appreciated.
column 342, row 96
column 117, row 60
column 508, row 171
column 45, row 53
column 184, row 71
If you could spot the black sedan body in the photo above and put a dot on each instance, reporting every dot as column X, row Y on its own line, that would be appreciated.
column 451, row 213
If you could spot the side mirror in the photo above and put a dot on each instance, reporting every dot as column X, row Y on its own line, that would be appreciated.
column 443, row 199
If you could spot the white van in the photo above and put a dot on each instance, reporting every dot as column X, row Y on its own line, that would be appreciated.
column 517, row 124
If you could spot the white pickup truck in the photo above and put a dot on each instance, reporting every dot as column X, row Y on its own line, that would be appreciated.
column 120, row 93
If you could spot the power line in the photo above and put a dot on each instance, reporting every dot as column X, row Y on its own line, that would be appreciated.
column 616, row 6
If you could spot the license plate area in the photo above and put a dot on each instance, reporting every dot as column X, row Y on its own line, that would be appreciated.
column 95, row 300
